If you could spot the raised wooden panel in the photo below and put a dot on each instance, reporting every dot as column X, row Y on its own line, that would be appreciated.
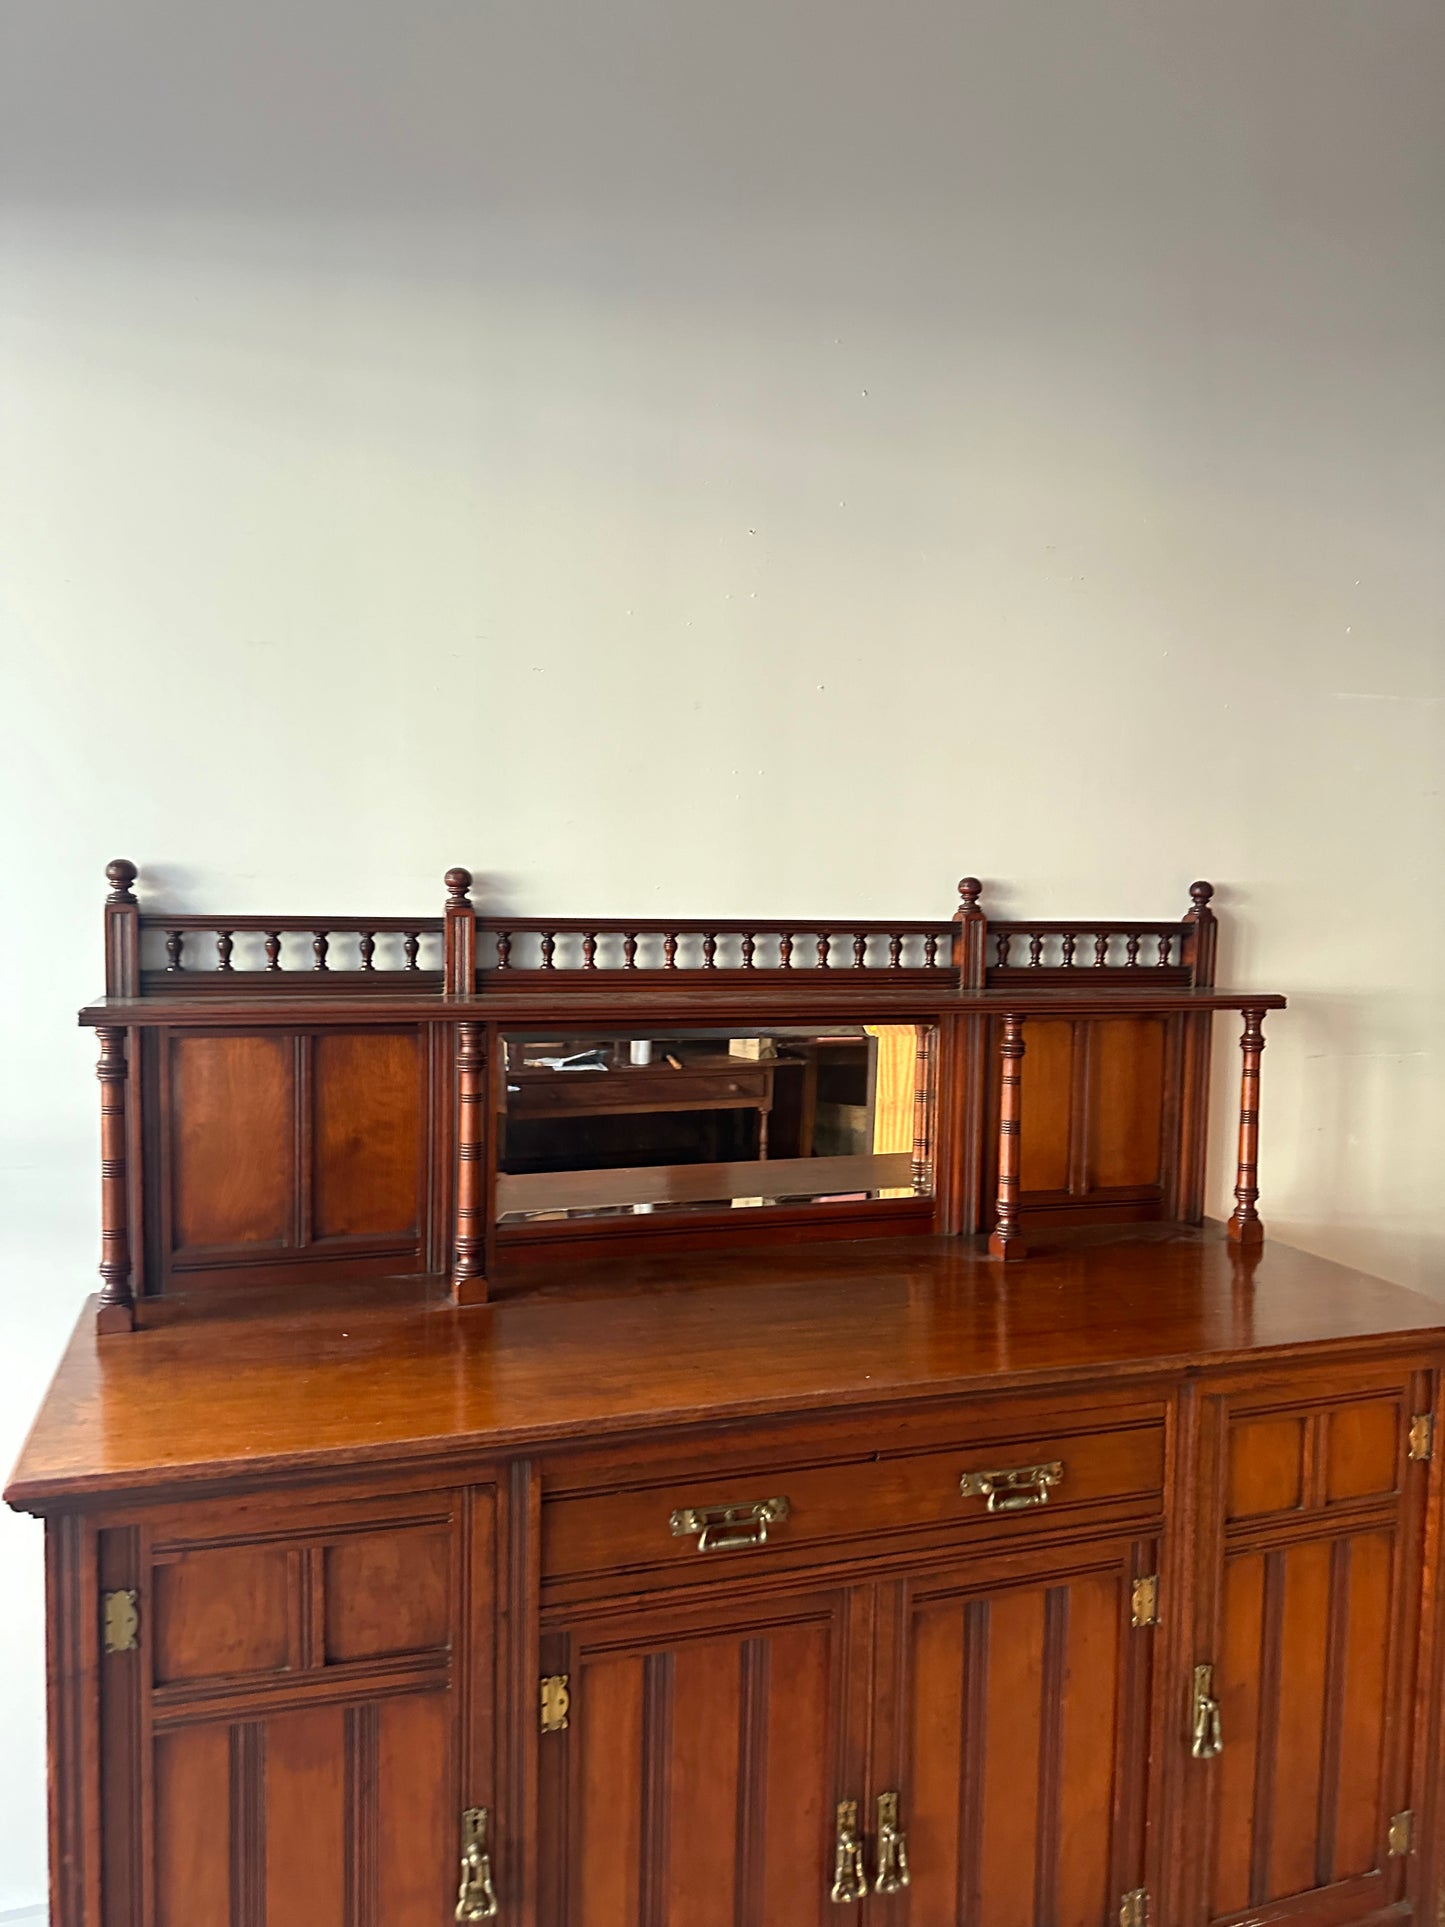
column 414, row 1820
column 1363, row 1445
column 1126, row 1101
column 308, row 1854
column 231, row 1138
column 388, row 1592
column 697, row 1782
column 1301, row 1800
column 1266, row 1466
column 1025, row 1750
column 367, row 1133
column 193, row 1851
column 1047, row 1105
column 222, row 1612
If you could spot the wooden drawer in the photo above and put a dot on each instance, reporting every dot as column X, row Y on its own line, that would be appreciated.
column 705, row 1523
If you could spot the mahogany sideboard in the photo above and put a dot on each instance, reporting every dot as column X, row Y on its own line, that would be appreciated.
column 745, row 1560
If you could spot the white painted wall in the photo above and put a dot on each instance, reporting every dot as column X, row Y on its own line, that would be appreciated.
column 736, row 458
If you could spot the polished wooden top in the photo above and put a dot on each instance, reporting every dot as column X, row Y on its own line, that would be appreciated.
column 373, row 1375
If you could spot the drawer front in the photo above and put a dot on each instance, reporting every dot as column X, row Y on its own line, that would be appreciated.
column 699, row 1526
column 652, row 1090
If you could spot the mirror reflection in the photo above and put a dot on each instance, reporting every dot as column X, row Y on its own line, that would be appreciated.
column 710, row 1119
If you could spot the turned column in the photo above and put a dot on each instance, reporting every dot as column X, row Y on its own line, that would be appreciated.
column 469, row 1268
column 970, row 932
column 116, row 1308
column 1007, row 1241
column 1245, row 1227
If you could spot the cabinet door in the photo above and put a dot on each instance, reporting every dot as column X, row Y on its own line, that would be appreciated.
column 1015, row 1701
column 705, row 1752
column 1308, row 1614
column 304, row 1713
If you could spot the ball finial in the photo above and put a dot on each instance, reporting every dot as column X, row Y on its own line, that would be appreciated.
column 970, row 889
column 121, row 874
column 458, row 882
column 1200, row 893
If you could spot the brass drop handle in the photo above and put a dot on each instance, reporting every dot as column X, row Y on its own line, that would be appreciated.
column 1208, row 1741
column 476, row 1897
column 850, row 1876
column 1015, row 1489
column 892, row 1874
column 729, row 1528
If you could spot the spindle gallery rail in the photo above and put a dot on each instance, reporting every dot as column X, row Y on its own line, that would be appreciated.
column 463, row 952
column 641, row 950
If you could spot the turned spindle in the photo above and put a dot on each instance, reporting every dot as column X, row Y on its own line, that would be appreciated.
column 459, row 936
column 1245, row 1227
column 411, row 946
column 860, row 949
column 116, row 1308
column 320, row 949
column 749, row 945
column 225, row 945
column 273, row 949
column 785, row 950
column 1007, row 1241
column 469, row 1282
column 367, row 946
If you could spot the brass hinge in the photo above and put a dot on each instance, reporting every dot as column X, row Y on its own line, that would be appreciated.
column 556, row 1702
column 1422, row 1436
column 1144, row 1601
column 1402, row 1834
column 120, row 1621
column 1134, row 1909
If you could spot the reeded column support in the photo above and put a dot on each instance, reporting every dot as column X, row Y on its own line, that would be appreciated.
column 115, row 1311
column 469, row 1276
column 1007, row 1241
column 1245, row 1227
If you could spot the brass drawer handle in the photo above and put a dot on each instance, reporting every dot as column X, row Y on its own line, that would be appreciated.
column 850, row 1876
column 1208, row 1742
column 892, row 1875
column 729, row 1528
column 476, row 1897
column 1012, row 1491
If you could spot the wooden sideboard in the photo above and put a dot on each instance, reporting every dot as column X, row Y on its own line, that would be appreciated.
column 726, row 1571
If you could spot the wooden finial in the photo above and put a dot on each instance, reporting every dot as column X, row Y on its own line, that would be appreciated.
column 970, row 932
column 121, row 875
column 1200, row 893
column 459, row 882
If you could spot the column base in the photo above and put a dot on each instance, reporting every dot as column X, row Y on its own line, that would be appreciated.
column 1007, row 1245
column 114, row 1318
column 1245, row 1231
column 469, row 1291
